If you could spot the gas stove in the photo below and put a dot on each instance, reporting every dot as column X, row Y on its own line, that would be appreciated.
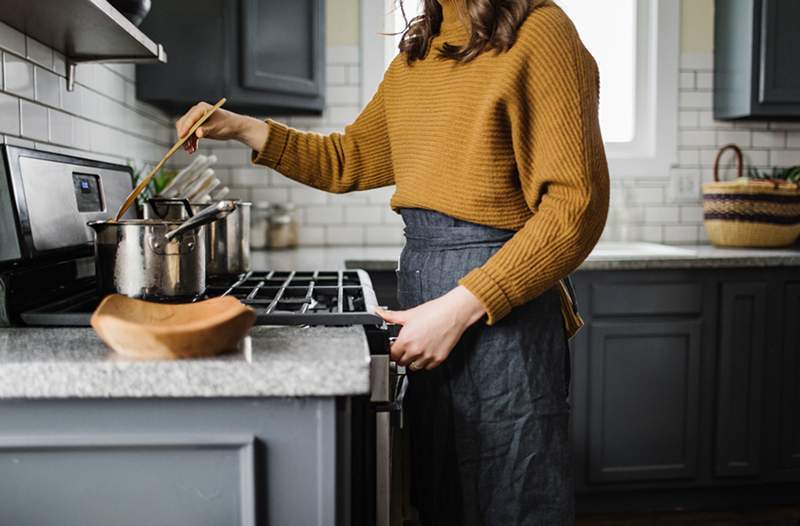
column 331, row 298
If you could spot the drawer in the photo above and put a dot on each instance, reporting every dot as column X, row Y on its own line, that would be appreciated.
column 637, row 298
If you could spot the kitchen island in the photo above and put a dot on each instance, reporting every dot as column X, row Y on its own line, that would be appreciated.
column 258, row 436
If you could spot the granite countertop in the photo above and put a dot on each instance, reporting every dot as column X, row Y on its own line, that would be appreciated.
column 271, row 362
column 606, row 256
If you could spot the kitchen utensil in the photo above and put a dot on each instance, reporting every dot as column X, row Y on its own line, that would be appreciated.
column 182, row 175
column 227, row 240
column 146, row 180
column 190, row 177
column 202, row 193
column 196, row 183
column 142, row 329
column 218, row 194
column 154, row 258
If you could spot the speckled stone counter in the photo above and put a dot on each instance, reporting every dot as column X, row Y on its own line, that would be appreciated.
column 272, row 362
column 606, row 256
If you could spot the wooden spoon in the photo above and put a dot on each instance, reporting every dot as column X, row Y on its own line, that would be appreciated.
column 144, row 182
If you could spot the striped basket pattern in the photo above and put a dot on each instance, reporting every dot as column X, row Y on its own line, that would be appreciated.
column 746, row 213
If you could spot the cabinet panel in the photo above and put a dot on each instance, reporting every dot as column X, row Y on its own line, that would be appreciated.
column 790, row 421
column 780, row 40
column 643, row 400
column 646, row 297
column 277, row 53
column 742, row 345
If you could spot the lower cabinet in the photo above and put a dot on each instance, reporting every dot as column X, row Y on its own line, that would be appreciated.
column 643, row 400
column 740, row 378
column 790, row 381
column 686, row 380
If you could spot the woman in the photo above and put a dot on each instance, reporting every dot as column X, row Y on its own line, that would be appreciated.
column 486, row 122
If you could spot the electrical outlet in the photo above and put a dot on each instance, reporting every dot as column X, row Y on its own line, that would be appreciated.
column 684, row 186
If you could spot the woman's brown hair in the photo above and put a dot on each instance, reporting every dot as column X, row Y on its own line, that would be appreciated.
column 492, row 25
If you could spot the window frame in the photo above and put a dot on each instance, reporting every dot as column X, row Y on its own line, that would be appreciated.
column 654, row 148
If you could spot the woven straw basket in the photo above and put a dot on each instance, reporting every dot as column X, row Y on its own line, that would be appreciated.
column 749, row 213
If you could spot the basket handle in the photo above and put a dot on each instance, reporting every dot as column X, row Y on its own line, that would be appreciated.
column 739, row 160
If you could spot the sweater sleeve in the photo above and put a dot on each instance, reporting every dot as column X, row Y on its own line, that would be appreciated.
column 562, row 170
column 357, row 159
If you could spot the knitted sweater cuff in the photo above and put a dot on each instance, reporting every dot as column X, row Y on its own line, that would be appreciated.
column 486, row 289
column 271, row 153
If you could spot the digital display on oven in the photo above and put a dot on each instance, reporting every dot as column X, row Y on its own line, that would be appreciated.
column 87, row 192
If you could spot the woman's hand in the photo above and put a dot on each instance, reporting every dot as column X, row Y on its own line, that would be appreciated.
column 222, row 125
column 431, row 330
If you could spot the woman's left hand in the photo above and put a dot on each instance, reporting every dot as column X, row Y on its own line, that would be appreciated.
column 431, row 330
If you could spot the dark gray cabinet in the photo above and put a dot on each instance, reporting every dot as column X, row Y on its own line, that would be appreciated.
column 790, row 381
column 643, row 400
column 755, row 65
column 266, row 56
column 742, row 346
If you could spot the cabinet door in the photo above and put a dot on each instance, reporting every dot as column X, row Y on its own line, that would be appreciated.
column 281, row 46
column 644, row 400
column 779, row 81
column 742, row 341
column 790, row 422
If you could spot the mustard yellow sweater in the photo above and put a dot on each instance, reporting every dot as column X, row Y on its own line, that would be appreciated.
column 508, row 140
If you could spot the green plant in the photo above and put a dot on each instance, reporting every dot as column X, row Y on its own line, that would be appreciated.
column 790, row 174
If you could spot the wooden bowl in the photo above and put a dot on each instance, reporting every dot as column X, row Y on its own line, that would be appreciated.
column 143, row 329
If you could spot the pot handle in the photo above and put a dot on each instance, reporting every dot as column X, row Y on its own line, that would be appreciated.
column 153, row 203
column 205, row 216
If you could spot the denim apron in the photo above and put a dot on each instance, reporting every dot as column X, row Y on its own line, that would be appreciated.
column 488, row 428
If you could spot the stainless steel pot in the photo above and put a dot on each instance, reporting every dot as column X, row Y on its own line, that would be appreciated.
column 227, row 241
column 154, row 258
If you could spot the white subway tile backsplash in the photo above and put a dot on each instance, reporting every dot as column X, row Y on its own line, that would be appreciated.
column 342, row 114
column 652, row 233
column 342, row 55
column 793, row 139
column 17, row 76
column 38, row 53
column 689, row 119
column 270, row 195
column 254, row 177
column 698, row 137
column 59, row 64
column 342, row 95
column 354, row 75
column 11, row 39
column 661, row 214
column 769, row 139
column 48, row 86
column 344, row 235
column 705, row 80
column 384, row 235
column 691, row 214
column 697, row 61
column 784, row 157
column 689, row 157
column 9, row 114
column 680, row 234
column 311, row 235
column 687, row 80
column 324, row 215
column 33, row 119
column 740, row 138
column 363, row 214
column 695, row 99
column 336, row 75
column 81, row 134
column 644, row 195
column 307, row 196
column 60, row 127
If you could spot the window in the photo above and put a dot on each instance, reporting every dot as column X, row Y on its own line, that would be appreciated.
column 635, row 44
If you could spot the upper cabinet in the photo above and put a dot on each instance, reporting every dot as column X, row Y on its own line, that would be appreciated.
column 266, row 56
column 755, row 68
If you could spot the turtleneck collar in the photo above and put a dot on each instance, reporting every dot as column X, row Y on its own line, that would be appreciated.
column 452, row 25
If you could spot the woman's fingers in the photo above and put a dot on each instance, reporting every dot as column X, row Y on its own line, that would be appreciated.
column 391, row 316
column 186, row 122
